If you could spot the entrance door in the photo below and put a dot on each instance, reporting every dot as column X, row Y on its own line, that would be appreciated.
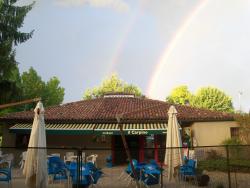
column 133, row 145
column 119, row 151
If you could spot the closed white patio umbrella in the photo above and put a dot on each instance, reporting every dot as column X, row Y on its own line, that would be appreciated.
column 35, row 167
column 173, row 157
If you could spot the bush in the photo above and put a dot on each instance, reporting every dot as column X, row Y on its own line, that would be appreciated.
column 232, row 142
column 213, row 154
column 234, row 147
column 213, row 165
column 221, row 165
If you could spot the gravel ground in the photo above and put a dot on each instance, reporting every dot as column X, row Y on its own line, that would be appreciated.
column 111, row 179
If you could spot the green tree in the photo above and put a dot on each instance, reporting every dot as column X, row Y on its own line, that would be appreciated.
column 112, row 84
column 11, row 88
column 206, row 97
column 33, row 86
column 179, row 95
column 53, row 93
column 213, row 99
column 11, row 19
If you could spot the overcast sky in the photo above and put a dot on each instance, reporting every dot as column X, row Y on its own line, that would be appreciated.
column 193, row 42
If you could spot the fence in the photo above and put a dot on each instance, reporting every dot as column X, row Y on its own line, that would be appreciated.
column 216, row 166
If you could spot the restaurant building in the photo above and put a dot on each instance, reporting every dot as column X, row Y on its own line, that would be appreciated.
column 93, row 124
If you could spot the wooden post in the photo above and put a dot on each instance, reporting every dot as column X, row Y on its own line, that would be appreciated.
column 127, row 149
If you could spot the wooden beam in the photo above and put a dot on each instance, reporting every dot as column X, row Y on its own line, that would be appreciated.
column 20, row 103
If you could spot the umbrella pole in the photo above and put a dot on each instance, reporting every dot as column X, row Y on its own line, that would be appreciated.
column 19, row 103
column 127, row 150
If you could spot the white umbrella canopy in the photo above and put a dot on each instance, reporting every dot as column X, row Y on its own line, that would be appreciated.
column 35, row 167
column 173, row 157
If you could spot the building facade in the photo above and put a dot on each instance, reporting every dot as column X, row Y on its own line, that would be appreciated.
column 93, row 124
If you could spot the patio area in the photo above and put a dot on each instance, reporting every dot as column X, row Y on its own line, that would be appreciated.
column 110, row 178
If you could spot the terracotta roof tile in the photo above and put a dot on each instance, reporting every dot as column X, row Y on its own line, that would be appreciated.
column 105, row 110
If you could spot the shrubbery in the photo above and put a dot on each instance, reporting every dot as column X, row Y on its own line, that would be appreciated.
column 221, row 165
column 234, row 147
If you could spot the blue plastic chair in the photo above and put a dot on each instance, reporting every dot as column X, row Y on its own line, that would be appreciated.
column 5, row 175
column 151, row 179
column 109, row 163
column 129, row 173
column 85, row 180
column 5, row 171
column 89, row 174
column 129, row 168
column 154, row 163
column 188, row 170
column 95, row 173
column 138, row 170
column 57, row 169
column 151, row 175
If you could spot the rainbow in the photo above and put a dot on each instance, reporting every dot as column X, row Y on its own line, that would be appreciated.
column 121, row 44
column 163, row 60
column 123, row 40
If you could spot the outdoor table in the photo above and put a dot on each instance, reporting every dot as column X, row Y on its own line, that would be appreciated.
column 140, row 167
column 85, row 171
column 152, row 171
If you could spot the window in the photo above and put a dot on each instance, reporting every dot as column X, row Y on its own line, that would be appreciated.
column 234, row 132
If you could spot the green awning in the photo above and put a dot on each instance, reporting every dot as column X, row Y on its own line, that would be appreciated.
column 131, row 129
column 97, row 129
column 56, row 128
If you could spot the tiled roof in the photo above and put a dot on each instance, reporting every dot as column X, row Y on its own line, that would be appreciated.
column 104, row 110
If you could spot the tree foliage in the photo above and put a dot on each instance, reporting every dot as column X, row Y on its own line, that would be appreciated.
column 213, row 99
column 30, row 85
column 33, row 86
column 206, row 97
column 244, row 122
column 11, row 88
column 53, row 93
column 11, row 20
column 179, row 95
column 109, row 85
